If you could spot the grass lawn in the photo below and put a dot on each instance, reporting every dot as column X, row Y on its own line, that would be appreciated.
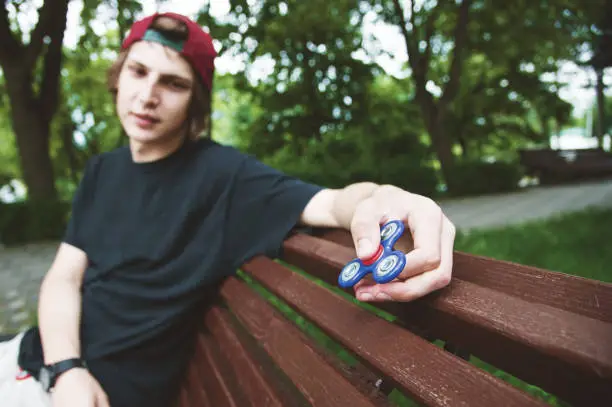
column 577, row 244
column 573, row 243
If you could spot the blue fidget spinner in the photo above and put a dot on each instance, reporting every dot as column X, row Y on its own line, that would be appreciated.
column 385, row 265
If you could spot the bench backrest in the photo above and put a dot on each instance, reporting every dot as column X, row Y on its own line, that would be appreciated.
column 548, row 329
column 546, row 158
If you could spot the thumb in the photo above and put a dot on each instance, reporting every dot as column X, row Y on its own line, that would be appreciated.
column 365, row 248
column 365, row 230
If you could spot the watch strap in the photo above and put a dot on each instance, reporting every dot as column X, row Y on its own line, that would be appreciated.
column 58, row 368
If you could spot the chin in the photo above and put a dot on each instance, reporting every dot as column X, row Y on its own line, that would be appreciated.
column 143, row 136
column 151, row 137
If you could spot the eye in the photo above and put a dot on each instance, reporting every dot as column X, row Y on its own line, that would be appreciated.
column 177, row 85
column 138, row 70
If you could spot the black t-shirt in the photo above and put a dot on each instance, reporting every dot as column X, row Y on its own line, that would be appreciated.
column 160, row 237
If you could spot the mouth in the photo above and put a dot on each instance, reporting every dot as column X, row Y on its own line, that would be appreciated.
column 145, row 120
column 146, row 117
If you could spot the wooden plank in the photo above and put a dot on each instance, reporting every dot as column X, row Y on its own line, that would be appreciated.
column 184, row 398
column 218, row 382
column 258, row 384
column 193, row 384
column 571, row 293
column 319, row 382
column 575, row 294
column 428, row 374
column 565, row 353
column 246, row 357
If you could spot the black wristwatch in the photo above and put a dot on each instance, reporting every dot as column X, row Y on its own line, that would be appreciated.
column 49, row 373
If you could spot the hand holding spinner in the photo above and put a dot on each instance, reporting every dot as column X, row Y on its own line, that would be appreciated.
column 385, row 265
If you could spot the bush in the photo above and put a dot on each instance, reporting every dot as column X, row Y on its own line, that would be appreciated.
column 475, row 178
column 335, row 166
column 29, row 221
column 356, row 155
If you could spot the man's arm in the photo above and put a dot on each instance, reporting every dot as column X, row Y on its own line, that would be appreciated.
column 59, row 309
column 361, row 208
column 59, row 314
column 336, row 207
column 340, row 207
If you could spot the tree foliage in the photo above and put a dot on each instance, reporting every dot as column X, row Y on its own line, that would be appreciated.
column 479, row 84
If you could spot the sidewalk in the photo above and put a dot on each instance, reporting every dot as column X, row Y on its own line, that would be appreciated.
column 22, row 268
column 530, row 204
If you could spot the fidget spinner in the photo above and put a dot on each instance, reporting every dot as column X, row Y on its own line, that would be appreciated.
column 384, row 265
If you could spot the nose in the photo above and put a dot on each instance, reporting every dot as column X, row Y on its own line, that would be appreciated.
column 148, row 93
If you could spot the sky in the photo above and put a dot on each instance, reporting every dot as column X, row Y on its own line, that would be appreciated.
column 576, row 92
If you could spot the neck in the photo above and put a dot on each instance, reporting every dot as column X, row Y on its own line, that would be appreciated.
column 153, row 151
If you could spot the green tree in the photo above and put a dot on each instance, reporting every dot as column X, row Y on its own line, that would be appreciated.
column 504, row 41
column 316, row 86
column 32, row 67
column 8, row 154
column 32, row 76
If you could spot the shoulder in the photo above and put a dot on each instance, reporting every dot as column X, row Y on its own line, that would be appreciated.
column 106, row 161
column 113, row 156
column 221, row 159
column 220, row 152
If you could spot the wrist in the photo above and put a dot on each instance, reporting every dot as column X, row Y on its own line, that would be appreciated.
column 70, row 374
column 50, row 374
column 57, row 358
column 349, row 198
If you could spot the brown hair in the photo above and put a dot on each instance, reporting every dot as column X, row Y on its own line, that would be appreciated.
column 198, row 113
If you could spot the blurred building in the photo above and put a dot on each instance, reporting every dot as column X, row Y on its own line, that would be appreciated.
column 576, row 138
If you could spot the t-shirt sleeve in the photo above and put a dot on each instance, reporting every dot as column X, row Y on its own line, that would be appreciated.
column 264, row 206
column 79, row 203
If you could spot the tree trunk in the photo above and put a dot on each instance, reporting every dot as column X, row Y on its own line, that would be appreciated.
column 442, row 145
column 32, row 112
column 601, row 111
column 436, row 111
column 32, row 136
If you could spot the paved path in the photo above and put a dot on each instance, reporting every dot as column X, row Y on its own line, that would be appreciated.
column 21, row 268
column 527, row 205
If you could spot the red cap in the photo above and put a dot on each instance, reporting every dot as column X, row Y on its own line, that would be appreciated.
column 198, row 49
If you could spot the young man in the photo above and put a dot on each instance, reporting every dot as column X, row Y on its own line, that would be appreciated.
column 157, row 226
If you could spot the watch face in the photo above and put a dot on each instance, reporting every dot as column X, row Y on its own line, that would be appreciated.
column 45, row 378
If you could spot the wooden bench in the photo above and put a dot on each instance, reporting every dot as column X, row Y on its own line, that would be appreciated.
column 559, row 166
column 551, row 330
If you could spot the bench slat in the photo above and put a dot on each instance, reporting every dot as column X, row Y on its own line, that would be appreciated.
column 193, row 384
column 219, row 384
column 320, row 383
column 427, row 373
column 183, row 400
column 579, row 295
column 494, row 325
column 256, row 383
column 571, row 293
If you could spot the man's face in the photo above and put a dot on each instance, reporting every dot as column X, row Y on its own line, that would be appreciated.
column 153, row 93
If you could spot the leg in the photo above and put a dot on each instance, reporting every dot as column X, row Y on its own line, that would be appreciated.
column 16, row 387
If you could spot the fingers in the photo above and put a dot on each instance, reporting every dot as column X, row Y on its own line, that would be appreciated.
column 101, row 398
column 419, row 285
column 365, row 227
column 427, row 233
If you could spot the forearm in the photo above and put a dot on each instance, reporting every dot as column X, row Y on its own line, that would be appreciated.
column 59, row 314
column 348, row 198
